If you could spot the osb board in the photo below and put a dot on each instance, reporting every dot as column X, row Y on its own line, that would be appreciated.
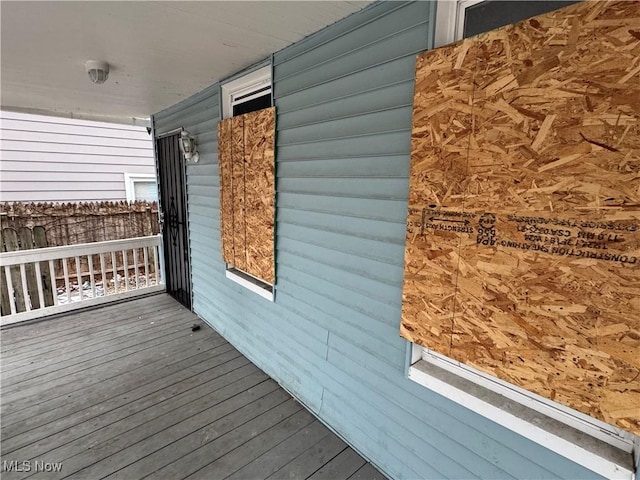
column 247, row 192
column 523, row 233
column 238, row 193
column 225, row 166
column 259, row 128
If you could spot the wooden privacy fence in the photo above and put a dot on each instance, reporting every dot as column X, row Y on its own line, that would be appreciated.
column 75, row 223
column 29, row 277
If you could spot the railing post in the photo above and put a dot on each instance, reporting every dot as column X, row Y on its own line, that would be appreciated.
column 125, row 261
column 114, row 265
column 54, row 283
column 65, row 269
column 39, row 285
column 103, row 275
column 25, row 289
column 12, row 298
column 79, row 277
column 135, row 267
column 92, row 277
column 161, row 260
column 146, row 266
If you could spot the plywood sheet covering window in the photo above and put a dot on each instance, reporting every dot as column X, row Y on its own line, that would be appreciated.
column 523, row 233
column 247, row 189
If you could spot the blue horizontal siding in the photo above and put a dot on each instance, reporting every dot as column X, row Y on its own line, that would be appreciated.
column 390, row 143
column 359, row 167
column 357, row 265
column 375, row 209
column 384, row 98
column 374, row 123
column 343, row 100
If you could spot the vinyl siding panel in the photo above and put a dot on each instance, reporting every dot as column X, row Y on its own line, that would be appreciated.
column 50, row 159
column 343, row 100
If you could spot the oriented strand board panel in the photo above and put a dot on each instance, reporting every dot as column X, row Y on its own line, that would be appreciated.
column 247, row 174
column 523, row 234
column 259, row 128
column 226, row 190
column 238, row 164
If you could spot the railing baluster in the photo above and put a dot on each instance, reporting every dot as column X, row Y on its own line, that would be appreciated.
column 103, row 276
column 39, row 284
column 12, row 299
column 115, row 272
column 126, row 270
column 92, row 276
column 155, row 263
column 79, row 278
column 54, row 285
column 135, row 267
column 65, row 268
column 145, row 250
column 25, row 289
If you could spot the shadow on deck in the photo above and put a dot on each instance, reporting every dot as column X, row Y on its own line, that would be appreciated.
column 129, row 391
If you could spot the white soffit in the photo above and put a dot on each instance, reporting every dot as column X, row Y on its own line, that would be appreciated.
column 159, row 52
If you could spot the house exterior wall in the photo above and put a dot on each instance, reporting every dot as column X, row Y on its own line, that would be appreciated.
column 343, row 103
column 51, row 159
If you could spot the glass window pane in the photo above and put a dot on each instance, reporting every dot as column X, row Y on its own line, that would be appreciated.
column 491, row 14
column 145, row 190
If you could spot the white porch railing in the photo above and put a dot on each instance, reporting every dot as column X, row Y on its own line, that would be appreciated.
column 100, row 283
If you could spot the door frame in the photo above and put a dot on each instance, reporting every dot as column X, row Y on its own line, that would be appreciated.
column 161, row 212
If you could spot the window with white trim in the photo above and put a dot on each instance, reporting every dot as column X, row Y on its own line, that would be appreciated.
column 460, row 19
column 140, row 187
column 249, row 93
column 598, row 446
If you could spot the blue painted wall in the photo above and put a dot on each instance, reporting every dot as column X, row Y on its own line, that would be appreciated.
column 343, row 99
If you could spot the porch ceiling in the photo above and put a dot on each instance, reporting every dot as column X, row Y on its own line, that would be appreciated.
column 159, row 52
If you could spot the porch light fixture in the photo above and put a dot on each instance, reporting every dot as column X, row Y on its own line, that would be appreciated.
column 188, row 147
column 98, row 71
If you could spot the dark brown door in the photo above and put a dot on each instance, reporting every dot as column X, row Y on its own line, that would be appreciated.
column 173, row 204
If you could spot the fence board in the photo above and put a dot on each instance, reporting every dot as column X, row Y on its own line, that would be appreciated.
column 25, row 236
column 40, row 241
column 10, row 244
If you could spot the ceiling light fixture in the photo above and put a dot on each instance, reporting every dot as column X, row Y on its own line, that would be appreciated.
column 98, row 71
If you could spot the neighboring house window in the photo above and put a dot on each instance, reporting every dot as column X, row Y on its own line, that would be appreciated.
column 601, row 447
column 140, row 187
column 247, row 183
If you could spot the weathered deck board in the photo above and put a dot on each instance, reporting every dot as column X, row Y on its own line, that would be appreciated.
column 129, row 391
column 309, row 462
column 38, row 331
column 283, row 453
column 88, row 329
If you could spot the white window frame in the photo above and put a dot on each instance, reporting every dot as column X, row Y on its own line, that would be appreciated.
column 251, row 82
column 537, row 418
column 130, row 179
column 450, row 16
column 255, row 81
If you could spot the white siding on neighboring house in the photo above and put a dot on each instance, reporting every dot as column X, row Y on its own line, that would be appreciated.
column 51, row 159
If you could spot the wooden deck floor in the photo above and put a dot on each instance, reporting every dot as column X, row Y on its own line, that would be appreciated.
column 129, row 391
